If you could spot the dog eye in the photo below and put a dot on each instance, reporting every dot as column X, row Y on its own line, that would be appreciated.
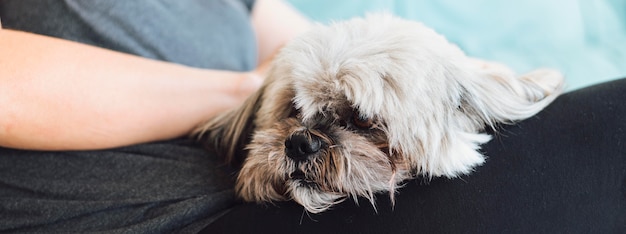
column 362, row 122
column 294, row 112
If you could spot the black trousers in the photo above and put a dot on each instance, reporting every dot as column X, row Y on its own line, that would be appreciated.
column 562, row 171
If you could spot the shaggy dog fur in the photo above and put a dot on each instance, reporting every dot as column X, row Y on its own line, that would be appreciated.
column 358, row 107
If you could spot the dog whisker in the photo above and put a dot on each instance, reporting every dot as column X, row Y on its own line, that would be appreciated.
column 304, row 211
column 422, row 113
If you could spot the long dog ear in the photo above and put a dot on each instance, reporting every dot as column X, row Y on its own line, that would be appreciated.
column 494, row 94
column 490, row 94
column 230, row 132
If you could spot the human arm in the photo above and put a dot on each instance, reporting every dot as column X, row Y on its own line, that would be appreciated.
column 57, row 94
column 61, row 95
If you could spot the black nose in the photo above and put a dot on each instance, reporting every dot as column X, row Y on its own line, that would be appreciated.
column 300, row 145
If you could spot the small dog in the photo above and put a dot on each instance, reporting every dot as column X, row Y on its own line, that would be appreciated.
column 358, row 107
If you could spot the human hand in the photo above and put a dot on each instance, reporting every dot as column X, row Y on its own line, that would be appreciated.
column 250, row 82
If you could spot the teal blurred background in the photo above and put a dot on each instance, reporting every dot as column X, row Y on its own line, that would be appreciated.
column 585, row 39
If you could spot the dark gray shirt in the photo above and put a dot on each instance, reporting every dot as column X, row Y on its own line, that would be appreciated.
column 200, row 33
column 159, row 187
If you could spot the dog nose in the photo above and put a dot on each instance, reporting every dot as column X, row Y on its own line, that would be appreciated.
column 301, row 145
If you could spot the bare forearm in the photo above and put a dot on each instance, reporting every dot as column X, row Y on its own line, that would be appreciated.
column 56, row 94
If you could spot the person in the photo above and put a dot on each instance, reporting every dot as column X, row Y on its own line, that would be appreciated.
column 97, row 98
column 106, row 84
column 92, row 134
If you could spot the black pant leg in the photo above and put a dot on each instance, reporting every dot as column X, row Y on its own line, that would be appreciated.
column 562, row 171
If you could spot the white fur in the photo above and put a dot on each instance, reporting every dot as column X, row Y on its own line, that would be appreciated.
column 428, row 98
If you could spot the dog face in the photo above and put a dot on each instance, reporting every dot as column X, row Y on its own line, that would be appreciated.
column 355, row 108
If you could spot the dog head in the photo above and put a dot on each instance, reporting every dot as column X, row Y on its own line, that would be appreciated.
column 357, row 107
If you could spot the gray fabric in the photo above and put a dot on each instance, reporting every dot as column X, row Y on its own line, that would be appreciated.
column 160, row 187
column 157, row 187
column 199, row 33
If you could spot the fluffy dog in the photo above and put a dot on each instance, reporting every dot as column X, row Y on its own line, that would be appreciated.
column 358, row 107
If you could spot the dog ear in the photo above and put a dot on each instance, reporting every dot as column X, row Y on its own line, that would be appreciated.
column 494, row 94
column 490, row 94
column 230, row 132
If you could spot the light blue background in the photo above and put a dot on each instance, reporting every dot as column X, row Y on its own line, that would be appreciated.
column 585, row 39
